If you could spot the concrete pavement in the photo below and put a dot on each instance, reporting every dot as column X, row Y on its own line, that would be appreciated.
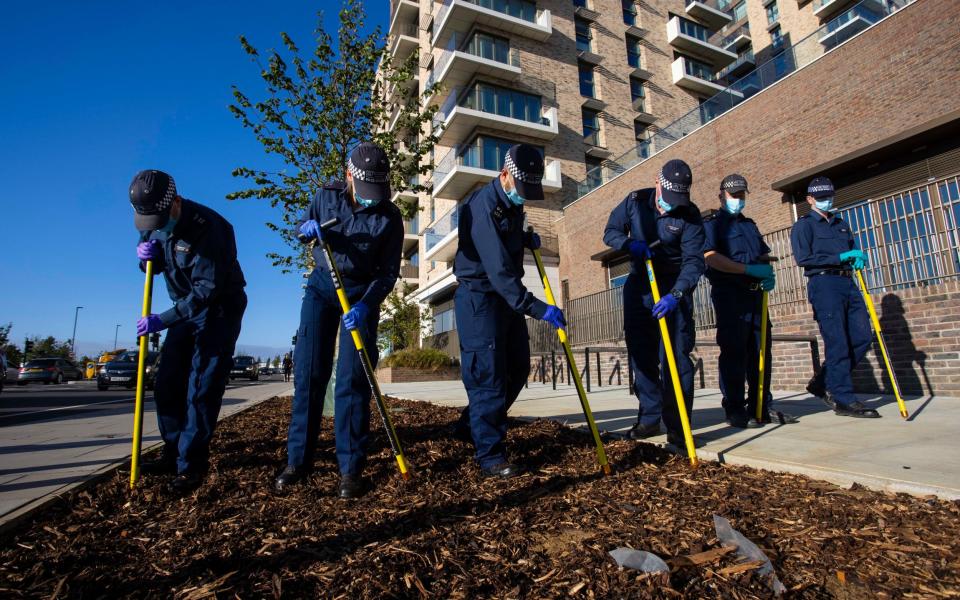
column 47, row 452
column 918, row 456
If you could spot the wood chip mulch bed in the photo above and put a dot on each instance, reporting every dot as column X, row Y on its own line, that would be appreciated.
column 449, row 533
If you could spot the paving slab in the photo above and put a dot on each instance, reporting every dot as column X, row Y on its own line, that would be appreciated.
column 917, row 456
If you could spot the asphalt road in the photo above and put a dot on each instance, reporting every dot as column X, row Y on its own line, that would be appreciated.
column 39, row 402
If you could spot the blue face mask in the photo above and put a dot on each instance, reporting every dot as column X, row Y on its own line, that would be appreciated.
column 662, row 204
column 733, row 205
column 168, row 228
column 514, row 197
column 825, row 204
column 363, row 201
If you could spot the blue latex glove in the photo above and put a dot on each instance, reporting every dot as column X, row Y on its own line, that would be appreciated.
column 768, row 283
column 149, row 324
column 854, row 257
column 759, row 271
column 640, row 249
column 310, row 230
column 356, row 316
column 150, row 250
column 532, row 241
column 666, row 306
column 554, row 316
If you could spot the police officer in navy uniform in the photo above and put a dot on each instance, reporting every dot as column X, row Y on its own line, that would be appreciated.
column 739, row 270
column 196, row 250
column 662, row 213
column 491, row 301
column 823, row 245
column 366, row 244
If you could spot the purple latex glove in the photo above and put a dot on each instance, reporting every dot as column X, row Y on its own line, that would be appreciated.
column 149, row 250
column 532, row 240
column 554, row 316
column 640, row 249
column 666, row 306
column 356, row 316
column 310, row 230
column 149, row 324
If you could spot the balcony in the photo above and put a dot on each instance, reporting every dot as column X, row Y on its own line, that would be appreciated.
column 744, row 63
column 693, row 38
column 460, row 170
column 438, row 284
column 712, row 12
column 403, row 11
column 460, row 63
column 462, row 15
column 411, row 233
column 826, row 9
column 463, row 111
column 410, row 273
column 733, row 40
column 403, row 41
column 848, row 25
column 695, row 76
column 440, row 239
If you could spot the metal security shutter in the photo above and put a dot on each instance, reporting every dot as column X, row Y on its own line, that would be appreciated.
column 621, row 267
column 885, row 184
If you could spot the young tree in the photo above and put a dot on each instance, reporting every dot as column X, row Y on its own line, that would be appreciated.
column 402, row 321
column 11, row 350
column 49, row 347
column 316, row 108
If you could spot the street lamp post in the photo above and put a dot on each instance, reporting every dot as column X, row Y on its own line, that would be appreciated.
column 73, row 339
column 115, row 332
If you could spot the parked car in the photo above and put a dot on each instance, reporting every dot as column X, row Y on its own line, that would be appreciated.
column 122, row 371
column 245, row 367
column 49, row 370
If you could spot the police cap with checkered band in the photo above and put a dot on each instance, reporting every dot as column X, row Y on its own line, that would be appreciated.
column 151, row 194
column 820, row 187
column 525, row 163
column 370, row 168
column 675, row 180
column 733, row 184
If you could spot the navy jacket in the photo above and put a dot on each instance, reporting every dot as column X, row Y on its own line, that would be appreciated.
column 818, row 242
column 492, row 242
column 736, row 237
column 680, row 232
column 367, row 242
column 199, row 262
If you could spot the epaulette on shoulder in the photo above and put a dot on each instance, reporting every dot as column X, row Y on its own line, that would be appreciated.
column 710, row 214
column 335, row 185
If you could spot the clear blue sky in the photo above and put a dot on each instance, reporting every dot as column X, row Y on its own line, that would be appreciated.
column 92, row 92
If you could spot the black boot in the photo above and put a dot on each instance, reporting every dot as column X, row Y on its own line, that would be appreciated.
column 642, row 432
column 738, row 420
column 184, row 483
column 857, row 410
column 351, row 486
column 290, row 476
column 504, row 470
column 815, row 387
column 164, row 463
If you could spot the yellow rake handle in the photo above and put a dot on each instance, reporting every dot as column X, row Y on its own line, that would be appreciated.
column 883, row 346
column 672, row 364
column 761, row 369
column 141, row 368
column 581, row 392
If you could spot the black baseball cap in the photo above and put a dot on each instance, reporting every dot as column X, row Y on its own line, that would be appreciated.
column 820, row 187
column 734, row 183
column 525, row 163
column 370, row 168
column 151, row 194
column 675, row 180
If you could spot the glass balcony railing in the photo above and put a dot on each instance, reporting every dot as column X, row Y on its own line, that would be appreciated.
column 519, row 9
column 695, row 30
column 745, row 58
column 441, row 228
column 479, row 45
column 494, row 100
column 794, row 57
column 721, row 5
column 695, row 68
column 413, row 225
column 724, row 38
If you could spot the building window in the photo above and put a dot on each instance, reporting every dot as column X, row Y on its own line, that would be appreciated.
column 695, row 68
column 504, row 102
column 629, row 12
column 521, row 9
column 633, row 52
column 581, row 3
column 587, row 87
column 490, row 47
column 694, row 30
column 637, row 92
column 444, row 321
column 584, row 37
column 776, row 37
column 486, row 152
column 740, row 11
column 618, row 272
column 594, row 171
column 414, row 259
column 591, row 126
column 640, row 130
column 773, row 13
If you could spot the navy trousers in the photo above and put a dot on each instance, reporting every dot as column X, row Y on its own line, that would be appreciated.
column 195, row 363
column 738, row 312
column 494, row 365
column 845, row 327
column 651, row 374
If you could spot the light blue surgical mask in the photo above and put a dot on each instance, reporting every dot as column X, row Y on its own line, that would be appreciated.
column 825, row 204
column 733, row 205
column 364, row 202
column 168, row 228
column 663, row 204
column 514, row 196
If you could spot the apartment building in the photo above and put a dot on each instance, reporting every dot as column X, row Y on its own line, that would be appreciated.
column 866, row 93
column 592, row 83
